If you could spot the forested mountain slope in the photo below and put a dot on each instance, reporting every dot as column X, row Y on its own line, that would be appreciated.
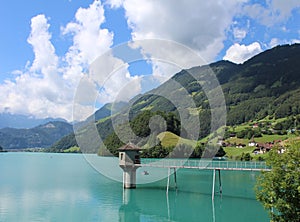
column 41, row 136
column 266, row 85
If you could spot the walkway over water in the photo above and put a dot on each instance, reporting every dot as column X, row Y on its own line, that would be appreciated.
column 129, row 161
column 205, row 164
column 202, row 164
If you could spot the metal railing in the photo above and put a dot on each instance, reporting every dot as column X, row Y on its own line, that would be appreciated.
column 205, row 164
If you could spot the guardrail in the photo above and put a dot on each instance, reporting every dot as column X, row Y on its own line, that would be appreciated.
column 205, row 164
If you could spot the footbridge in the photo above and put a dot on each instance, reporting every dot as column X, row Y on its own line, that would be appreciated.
column 205, row 164
column 130, row 161
column 202, row 164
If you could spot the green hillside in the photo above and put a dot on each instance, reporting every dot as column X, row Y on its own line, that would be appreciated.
column 266, row 87
column 169, row 139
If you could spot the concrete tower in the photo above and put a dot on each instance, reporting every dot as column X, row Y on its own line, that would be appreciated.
column 129, row 161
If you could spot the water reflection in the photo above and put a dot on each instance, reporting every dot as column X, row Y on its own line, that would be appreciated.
column 36, row 187
column 152, row 204
column 129, row 210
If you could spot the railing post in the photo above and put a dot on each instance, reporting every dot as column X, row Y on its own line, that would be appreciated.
column 168, row 182
column 220, row 182
column 175, row 178
column 213, row 187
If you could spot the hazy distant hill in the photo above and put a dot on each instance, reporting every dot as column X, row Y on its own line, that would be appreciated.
column 23, row 121
column 41, row 136
column 266, row 85
column 105, row 111
column 102, row 115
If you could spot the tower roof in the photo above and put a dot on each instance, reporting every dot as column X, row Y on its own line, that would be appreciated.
column 129, row 146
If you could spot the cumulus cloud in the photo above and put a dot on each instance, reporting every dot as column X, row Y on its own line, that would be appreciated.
column 43, row 49
column 275, row 11
column 198, row 25
column 89, row 41
column 47, row 86
column 112, row 79
column 120, row 87
column 38, row 90
column 239, row 53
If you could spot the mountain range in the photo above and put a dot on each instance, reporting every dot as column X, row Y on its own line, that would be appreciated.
column 267, row 85
column 23, row 121
column 41, row 136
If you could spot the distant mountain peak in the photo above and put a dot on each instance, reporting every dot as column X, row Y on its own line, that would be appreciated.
column 41, row 136
column 20, row 121
column 49, row 125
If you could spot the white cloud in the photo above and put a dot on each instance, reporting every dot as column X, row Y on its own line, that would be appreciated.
column 275, row 11
column 295, row 41
column 46, row 88
column 163, row 71
column 199, row 25
column 239, row 53
column 275, row 41
column 239, row 34
column 89, row 41
column 38, row 90
column 47, row 84
column 284, row 8
column 121, row 87
column 43, row 49
column 112, row 79
column 115, row 3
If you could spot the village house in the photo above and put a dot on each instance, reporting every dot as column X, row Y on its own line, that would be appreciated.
column 240, row 145
column 266, row 147
column 263, row 148
column 252, row 143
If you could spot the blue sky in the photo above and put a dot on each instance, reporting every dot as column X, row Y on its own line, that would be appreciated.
column 47, row 46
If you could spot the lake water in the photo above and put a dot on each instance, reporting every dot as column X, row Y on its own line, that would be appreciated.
column 64, row 187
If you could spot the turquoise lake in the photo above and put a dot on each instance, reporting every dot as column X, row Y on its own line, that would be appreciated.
column 65, row 187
